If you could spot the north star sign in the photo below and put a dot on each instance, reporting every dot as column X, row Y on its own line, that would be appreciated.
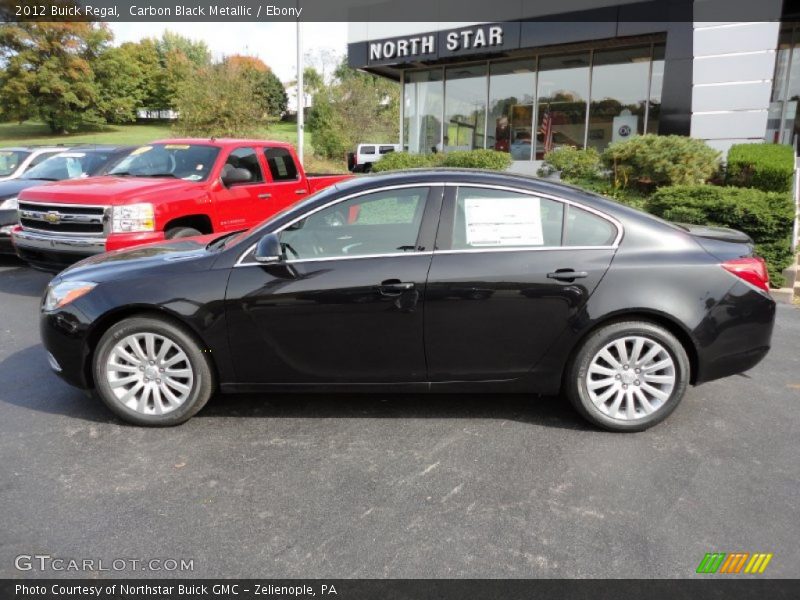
column 470, row 39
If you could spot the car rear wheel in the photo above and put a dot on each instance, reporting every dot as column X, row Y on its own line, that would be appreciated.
column 628, row 376
column 149, row 371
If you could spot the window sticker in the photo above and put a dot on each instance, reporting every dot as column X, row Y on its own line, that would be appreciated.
column 141, row 150
column 504, row 221
column 177, row 146
column 72, row 154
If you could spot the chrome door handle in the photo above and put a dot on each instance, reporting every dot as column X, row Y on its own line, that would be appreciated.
column 395, row 287
column 567, row 275
column 300, row 192
column 264, row 196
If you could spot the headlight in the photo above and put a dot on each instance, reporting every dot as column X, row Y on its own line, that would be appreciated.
column 63, row 293
column 132, row 218
column 10, row 204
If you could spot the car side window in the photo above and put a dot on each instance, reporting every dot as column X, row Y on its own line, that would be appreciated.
column 386, row 149
column 382, row 222
column 367, row 149
column 489, row 218
column 245, row 158
column 587, row 229
column 281, row 164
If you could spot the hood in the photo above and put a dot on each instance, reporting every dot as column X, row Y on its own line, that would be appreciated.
column 12, row 187
column 109, row 189
column 182, row 254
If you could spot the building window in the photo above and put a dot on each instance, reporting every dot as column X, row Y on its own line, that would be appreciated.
column 783, row 123
column 511, row 101
column 529, row 106
column 563, row 93
column 464, row 108
column 619, row 95
column 422, row 111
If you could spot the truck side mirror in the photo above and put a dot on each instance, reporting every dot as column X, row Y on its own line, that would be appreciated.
column 234, row 176
column 268, row 249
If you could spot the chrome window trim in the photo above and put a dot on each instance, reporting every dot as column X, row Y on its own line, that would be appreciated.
column 240, row 261
column 617, row 224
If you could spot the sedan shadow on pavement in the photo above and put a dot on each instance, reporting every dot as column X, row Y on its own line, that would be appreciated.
column 19, row 279
column 48, row 394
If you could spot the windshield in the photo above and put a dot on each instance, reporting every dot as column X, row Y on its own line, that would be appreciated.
column 182, row 161
column 68, row 165
column 10, row 161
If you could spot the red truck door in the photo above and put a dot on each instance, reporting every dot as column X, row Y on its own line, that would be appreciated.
column 288, row 184
column 241, row 205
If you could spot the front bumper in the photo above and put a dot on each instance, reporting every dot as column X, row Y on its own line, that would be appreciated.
column 6, row 246
column 55, row 252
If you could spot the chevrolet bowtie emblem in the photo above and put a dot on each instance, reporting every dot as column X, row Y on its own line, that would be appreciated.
column 52, row 217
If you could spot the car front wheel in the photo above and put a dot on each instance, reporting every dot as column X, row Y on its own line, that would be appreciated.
column 150, row 371
column 628, row 376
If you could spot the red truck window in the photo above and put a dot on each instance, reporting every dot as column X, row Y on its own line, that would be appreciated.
column 281, row 164
column 246, row 158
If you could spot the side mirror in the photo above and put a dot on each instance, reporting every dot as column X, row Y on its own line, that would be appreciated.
column 233, row 176
column 268, row 249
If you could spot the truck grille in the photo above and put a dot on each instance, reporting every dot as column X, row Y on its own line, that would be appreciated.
column 63, row 219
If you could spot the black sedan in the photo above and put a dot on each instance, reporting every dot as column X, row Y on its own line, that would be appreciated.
column 80, row 161
column 438, row 280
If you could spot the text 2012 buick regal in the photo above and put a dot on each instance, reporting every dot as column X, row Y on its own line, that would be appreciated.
column 435, row 280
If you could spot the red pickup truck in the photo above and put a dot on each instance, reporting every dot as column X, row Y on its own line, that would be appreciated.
column 164, row 190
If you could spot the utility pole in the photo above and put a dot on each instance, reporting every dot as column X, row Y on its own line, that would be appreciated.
column 301, row 97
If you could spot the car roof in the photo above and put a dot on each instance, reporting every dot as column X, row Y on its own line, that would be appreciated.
column 223, row 142
column 99, row 148
column 34, row 148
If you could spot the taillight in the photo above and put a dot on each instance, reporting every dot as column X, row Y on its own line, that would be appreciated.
column 753, row 270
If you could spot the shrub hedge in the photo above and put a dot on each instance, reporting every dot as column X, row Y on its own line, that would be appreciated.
column 468, row 159
column 658, row 160
column 766, row 217
column 572, row 162
column 768, row 167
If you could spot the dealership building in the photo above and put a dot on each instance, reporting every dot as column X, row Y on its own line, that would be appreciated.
column 535, row 80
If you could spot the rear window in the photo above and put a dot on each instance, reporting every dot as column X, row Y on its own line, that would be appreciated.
column 281, row 164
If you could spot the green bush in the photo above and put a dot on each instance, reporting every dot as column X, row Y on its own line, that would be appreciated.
column 472, row 159
column 572, row 162
column 604, row 187
column 398, row 161
column 768, row 167
column 478, row 159
column 766, row 217
column 658, row 160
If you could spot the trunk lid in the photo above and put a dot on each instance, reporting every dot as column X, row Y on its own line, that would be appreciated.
column 720, row 242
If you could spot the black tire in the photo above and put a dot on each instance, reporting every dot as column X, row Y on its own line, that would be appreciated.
column 576, row 385
column 181, row 232
column 203, row 385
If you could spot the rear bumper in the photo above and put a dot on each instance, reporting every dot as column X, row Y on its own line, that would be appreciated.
column 735, row 335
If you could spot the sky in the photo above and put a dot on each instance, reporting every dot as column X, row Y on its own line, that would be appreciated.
column 274, row 43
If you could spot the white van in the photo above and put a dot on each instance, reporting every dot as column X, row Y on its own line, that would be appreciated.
column 365, row 155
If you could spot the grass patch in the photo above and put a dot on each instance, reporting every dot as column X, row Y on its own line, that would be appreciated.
column 32, row 132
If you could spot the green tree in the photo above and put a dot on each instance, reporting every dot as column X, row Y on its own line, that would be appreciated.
column 217, row 101
column 270, row 93
column 195, row 51
column 120, row 84
column 353, row 104
column 48, row 73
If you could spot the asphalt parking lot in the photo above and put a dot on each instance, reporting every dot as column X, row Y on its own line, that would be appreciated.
column 395, row 486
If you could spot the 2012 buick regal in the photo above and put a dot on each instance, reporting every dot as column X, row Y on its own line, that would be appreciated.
column 438, row 280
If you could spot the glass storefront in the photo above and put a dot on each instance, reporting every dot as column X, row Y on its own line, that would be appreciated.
column 422, row 111
column 465, row 108
column 783, row 122
column 529, row 106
